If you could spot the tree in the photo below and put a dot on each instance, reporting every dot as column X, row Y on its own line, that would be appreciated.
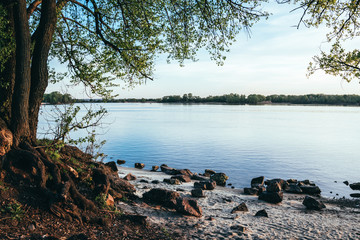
column 343, row 20
column 98, row 41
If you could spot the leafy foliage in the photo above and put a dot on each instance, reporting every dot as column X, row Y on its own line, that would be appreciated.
column 56, row 98
column 100, row 41
column 343, row 19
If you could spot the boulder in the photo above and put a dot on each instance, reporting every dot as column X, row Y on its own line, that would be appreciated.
column 313, row 204
column 121, row 185
column 271, row 197
column 154, row 168
column 241, row 208
column 291, row 181
column 120, row 162
column 257, row 182
column 346, row 183
column 312, row 190
column 197, row 192
column 355, row 195
column 293, row 188
column 355, row 186
column 198, row 177
column 139, row 165
column 274, row 187
column 129, row 177
column 163, row 197
column 205, row 185
column 209, row 171
column 275, row 180
column 261, row 213
column 251, row 191
column 186, row 172
column 155, row 181
column 188, row 207
column 220, row 178
column 112, row 166
column 144, row 181
column 182, row 178
column 168, row 170
column 172, row 181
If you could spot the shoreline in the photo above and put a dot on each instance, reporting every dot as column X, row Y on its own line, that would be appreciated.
column 289, row 219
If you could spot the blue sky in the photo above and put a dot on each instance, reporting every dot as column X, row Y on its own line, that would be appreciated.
column 273, row 61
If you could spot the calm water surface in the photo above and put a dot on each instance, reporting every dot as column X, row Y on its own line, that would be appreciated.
column 319, row 143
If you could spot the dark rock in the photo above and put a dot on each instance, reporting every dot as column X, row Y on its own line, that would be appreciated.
column 209, row 171
column 355, row 195
column 168, row 170
column 229, row 184
column 129, row 177
column 293, row 188
column 172, row 181
column 112, row 166
column 197, row 192
column 188, row 207
column 274, row 187
column 154, row 168
column 186, row 172
column 313, row 204
column 275, row 180
column 206, row 175
column 139, row 165
column 238, row 228
column 155, row 181
column 257, row 182
column 251, row 191
column 164, row 197
column 205, row 185
column 291, row 181
column 271, row 197
column 200, row 178
column 232, row 187
column 261, row 213
column 346, row 183
column 306, row 182
column 312, row 190
column 219, row 178
column 355, row 186
column 180, row 190
column 182, row 178
column 120, row 162
column 144, row 181
column 241, row 208
column 121, row 185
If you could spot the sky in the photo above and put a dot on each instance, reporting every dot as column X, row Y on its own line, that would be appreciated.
column 273, row 60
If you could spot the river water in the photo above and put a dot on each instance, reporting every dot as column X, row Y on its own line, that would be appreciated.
column 320, row 143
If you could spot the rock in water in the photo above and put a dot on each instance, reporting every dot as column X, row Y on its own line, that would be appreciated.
column 355, row 195
column 220, row 178
column 139, row 165
column 241, row 208
column 189, row 207
column 164, row 197
column 172, row 181
column 271, row 197
column 313, row 204
column 182, row 178
column 312, row 190
column 261, row 213
column 154, row 168
column 209, row 171
column 120, row 162
column 355, row 186
column 257, row 182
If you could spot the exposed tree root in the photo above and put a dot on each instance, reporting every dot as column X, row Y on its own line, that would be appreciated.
column 69, row 194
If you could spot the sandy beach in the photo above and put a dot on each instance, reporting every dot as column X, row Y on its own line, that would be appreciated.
column 288, row 220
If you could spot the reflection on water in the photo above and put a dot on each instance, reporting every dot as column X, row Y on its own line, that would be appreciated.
column 319, row 143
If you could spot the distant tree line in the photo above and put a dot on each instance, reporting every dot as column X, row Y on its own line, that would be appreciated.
column 253, row 99
column 57, row 98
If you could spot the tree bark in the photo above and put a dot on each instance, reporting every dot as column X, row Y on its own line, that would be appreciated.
column 20, row 101
column 39, row 68
column 7, row 73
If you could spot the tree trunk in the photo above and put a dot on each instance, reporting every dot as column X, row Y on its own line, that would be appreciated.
column 7, row 72
column 39, row 69
column 20, row 101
